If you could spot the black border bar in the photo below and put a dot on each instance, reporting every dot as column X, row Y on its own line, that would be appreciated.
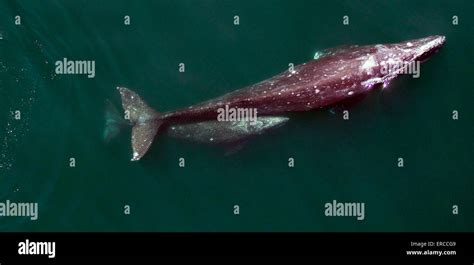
column 138, row 244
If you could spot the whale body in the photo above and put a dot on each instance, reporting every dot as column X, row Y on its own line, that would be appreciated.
column 335, row 75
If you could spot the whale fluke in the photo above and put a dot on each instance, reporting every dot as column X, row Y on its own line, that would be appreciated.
column 142, row 137
column 146, row 121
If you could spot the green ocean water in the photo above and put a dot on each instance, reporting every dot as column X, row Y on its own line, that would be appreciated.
column 355, row 160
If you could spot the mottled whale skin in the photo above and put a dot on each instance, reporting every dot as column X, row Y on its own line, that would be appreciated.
column 336, row 75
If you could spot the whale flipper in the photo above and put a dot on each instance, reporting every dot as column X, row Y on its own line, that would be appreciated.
column 235, row 149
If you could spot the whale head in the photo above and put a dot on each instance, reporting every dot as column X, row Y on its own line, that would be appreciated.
column 419, row 49
column 383, row 62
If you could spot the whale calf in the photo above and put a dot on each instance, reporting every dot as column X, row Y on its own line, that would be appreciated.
column 211, row 131
column 218, row 132
column 335, row 75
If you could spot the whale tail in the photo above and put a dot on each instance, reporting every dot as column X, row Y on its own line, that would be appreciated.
column 145, row 120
